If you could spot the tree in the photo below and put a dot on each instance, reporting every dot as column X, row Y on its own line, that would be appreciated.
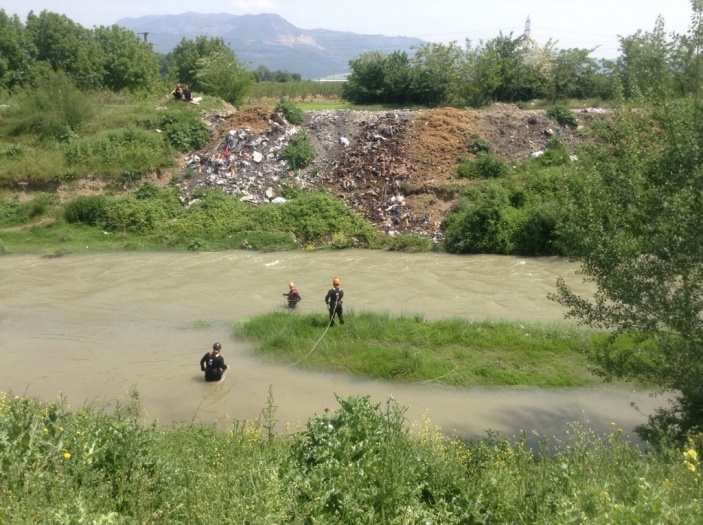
column 66, row 46
column 397, row 78
column 128, row 63
column 576, row 75
column 223, row 76
column 687, row 53
column 436, row 76
column 635, row 223
column 645, row 62
column 16, row 51
column 366, row 82
column 184, row 59
column 504, row 72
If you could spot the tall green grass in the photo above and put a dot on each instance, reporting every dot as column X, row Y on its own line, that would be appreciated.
column 412, row 349
column 151, row 218
column 357, row 463
column 46, row 140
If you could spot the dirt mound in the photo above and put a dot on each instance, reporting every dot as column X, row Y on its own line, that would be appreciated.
column 397, row 169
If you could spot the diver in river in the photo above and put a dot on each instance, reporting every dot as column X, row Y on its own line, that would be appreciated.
column 213, row 364
column 333, row 300
column 293, row 296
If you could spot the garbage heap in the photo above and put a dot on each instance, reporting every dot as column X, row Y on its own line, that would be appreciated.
column 372, row 172
column 242, row 162
column 361, row 158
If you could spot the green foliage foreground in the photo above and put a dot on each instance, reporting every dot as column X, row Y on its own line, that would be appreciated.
column 411, row 349
column 362, row 462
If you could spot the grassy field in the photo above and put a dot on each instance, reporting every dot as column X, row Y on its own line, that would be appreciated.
column 410, row 349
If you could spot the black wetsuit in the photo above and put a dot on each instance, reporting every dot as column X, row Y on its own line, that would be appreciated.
column 213, row 364
column 333, row 299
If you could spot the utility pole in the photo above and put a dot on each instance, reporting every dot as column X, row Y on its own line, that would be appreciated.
column 145, row 33
column 527, row 27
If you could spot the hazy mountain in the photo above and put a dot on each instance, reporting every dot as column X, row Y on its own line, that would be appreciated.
column 268, row 40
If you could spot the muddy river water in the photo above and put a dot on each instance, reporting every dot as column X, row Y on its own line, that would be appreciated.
column 97, row 326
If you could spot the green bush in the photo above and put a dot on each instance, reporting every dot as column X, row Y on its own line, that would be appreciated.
column 88, row 210
column 556, row 154
column 56, row 109
column 362, row 436
column 299, row 152
column 478, row 145
column 215, row 216
column 485, row 166
column 563, row 115
column 184, row 130
column 146, row 211
column 316, row 217
column 506, row 217
column 409, row 242
column 14, row 211
column 131, row 151
column 290, row 111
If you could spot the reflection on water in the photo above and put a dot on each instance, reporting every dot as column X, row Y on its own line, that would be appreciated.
column 97, row 326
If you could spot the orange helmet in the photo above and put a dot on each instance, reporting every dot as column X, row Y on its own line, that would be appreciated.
column 335, row 281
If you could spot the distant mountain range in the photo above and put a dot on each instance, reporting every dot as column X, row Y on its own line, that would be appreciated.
column 268, row 40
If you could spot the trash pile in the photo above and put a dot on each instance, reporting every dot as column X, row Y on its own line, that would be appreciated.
column 370, row 175
column 244, row 163
column 397, row 169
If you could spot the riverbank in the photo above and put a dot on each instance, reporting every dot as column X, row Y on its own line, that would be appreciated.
column 351, row 463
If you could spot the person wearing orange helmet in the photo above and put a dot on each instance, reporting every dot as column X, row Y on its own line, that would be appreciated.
column 333, row 300
column 293, row 295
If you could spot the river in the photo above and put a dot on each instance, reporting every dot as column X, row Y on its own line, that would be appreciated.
column 98, row 326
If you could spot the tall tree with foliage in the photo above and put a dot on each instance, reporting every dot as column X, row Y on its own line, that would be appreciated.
column 503, row 71
column 436, row 73
column 16, row 53
column 686, row 55
column 223, row 76
column 189, row 56
column 366, row 82
column 128, row 62
column 576, row 75
column 645, row 62
column 635, row 224
column 66, row 46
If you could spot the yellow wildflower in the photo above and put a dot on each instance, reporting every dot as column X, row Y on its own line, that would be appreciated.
column 691, row 455
column 66, row 454
column 689, row 466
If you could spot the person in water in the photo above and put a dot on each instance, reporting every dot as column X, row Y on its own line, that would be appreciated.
column 213, row 364
column 293, row 295
column 333, row 300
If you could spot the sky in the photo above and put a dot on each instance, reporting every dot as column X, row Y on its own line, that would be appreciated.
column 572, row 23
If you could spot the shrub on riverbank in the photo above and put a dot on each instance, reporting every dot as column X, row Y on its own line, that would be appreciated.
column 362, row 462
column 516, row 215
column 411, row 349
column 151, row 218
